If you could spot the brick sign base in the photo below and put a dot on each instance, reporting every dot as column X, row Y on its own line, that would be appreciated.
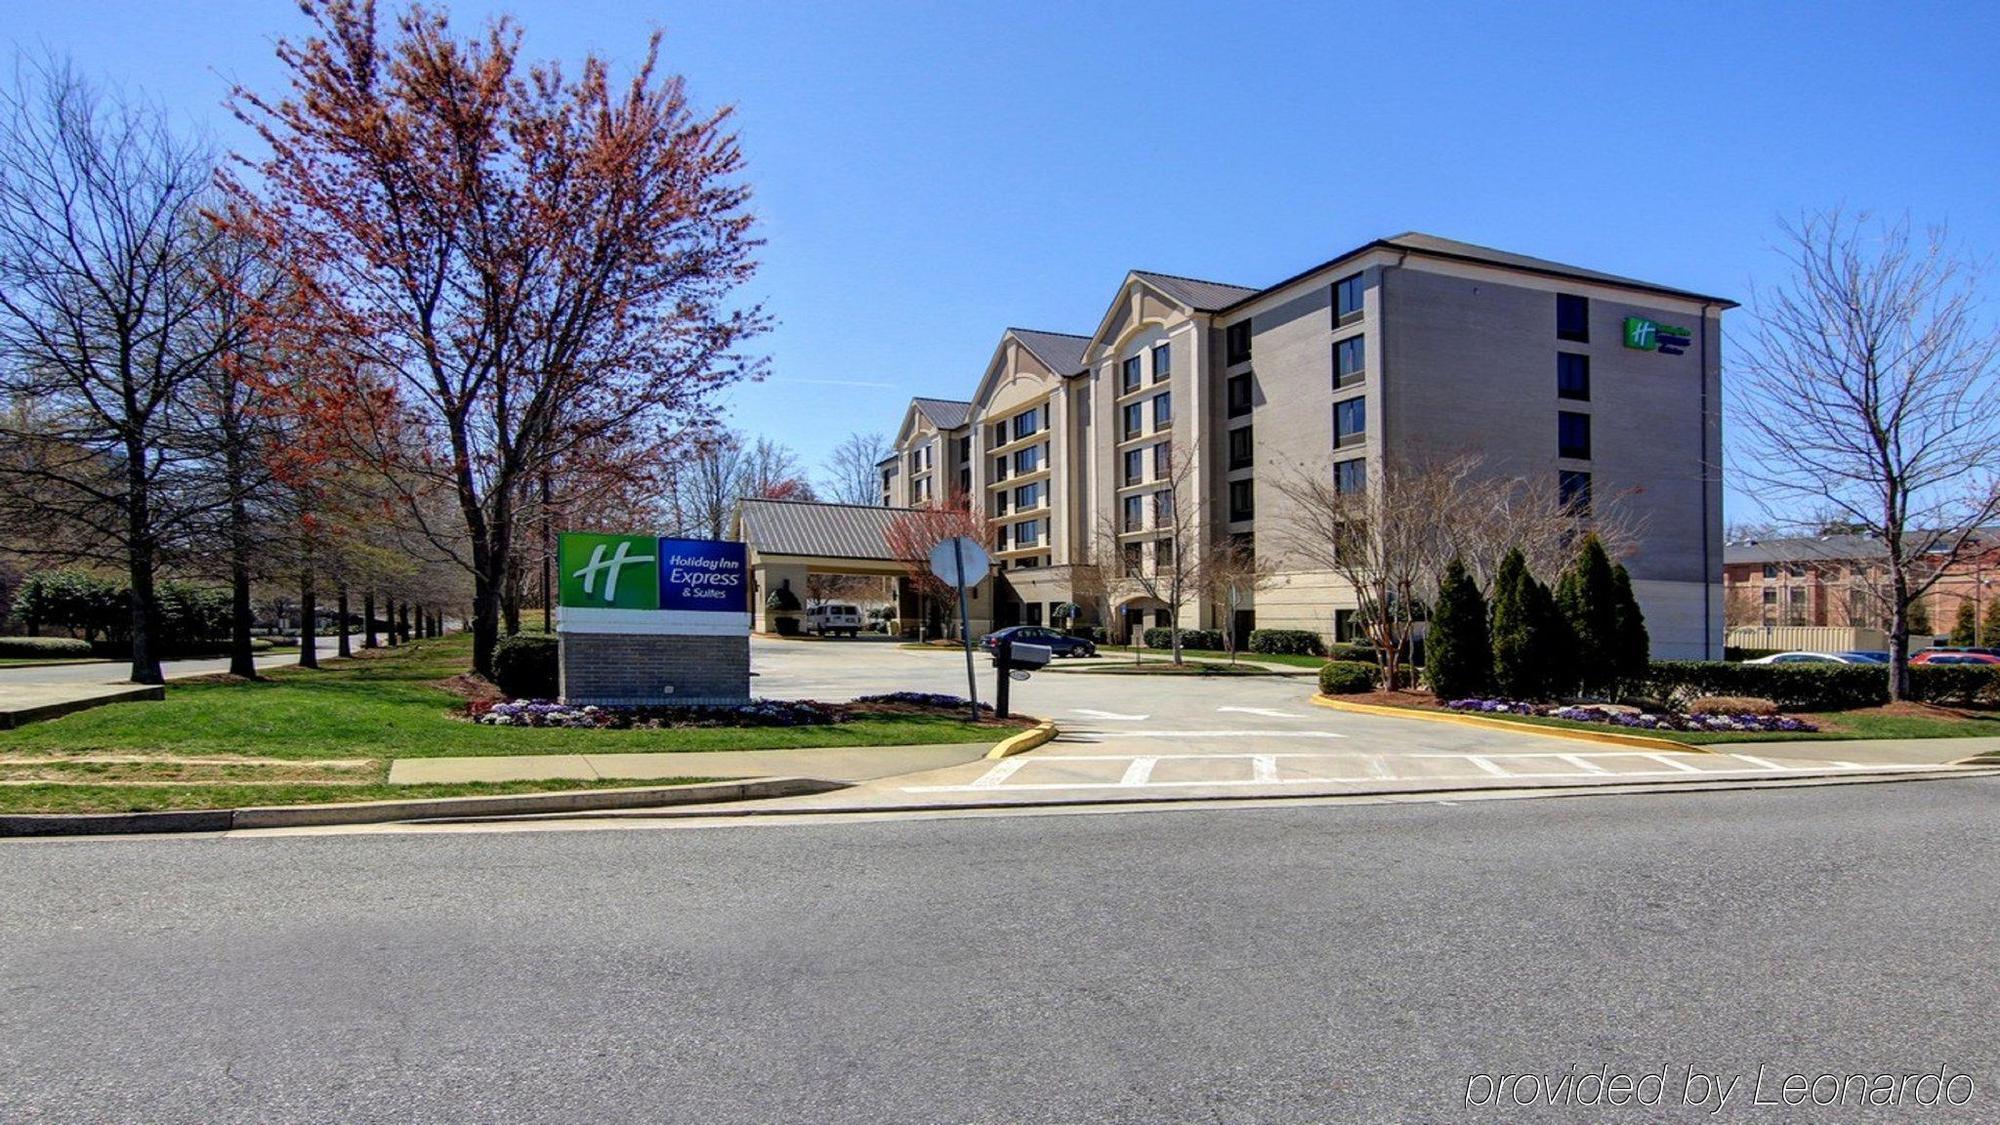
column 631, row 670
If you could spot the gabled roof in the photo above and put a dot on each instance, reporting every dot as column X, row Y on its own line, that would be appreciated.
column 1827, row 548
column 1062, row 351
column 944, row 413
column 1201, row 296
column 816, row 528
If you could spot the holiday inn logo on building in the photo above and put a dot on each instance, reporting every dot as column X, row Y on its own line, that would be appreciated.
column 1652, row 336
column 609, row 571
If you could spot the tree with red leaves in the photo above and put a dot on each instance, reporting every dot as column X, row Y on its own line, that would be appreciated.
column 914, row 534
column 532, row 264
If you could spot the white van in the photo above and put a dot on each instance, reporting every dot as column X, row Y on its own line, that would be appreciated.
column 834, row 620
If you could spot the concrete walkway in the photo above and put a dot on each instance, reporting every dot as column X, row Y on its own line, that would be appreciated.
column 837, row 763
column 32, row 692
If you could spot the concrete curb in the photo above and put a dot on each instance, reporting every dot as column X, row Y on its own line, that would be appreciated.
column 137, row 693
column 1610, row 738
column 436, row 808
column 1025, row 741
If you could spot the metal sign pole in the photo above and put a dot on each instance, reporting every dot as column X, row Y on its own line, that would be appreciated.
column 965, row 626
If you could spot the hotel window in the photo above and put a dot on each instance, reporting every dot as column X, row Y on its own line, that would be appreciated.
column 1028, row 496
column 1163, row 361
column 965, row 449
column 1000, row 538
column 1163, row 460
column 1000, row 467
column 1573, row 435
column 1350, row 422
column 1347, row 300
column 1573, row 376
column 1163, row 508
column 965, row 479
column 1000, row 503
column 1350, row 357
column 1128, row 376
column 1027, row 422
column 1770, row 570
column 1163, row 555
column 1236, row 342
column 1242, row 501
column 1241, row 395
column 1163, row 410
column 1135, row 419
column 1346, row 626
column 1350, row 476
column 1135, row 513
column 1130, row 557
column 999, row 434
column 1028, row 460
column 1573, row 490
column 1135, row 466
column 1083, row 406
column 1241, row 452
column 1572, row 318
column 1028, row 534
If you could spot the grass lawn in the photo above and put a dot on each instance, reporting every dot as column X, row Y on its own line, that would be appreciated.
column 306, row 736
column 1842, row 726
column 1313, row 662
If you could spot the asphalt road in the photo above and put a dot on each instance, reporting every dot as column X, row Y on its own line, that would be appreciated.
column 118, row 673
column 1225, row 965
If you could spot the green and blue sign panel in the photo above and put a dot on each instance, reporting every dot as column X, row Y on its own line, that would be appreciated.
column 651, row 584
column 1652, row 336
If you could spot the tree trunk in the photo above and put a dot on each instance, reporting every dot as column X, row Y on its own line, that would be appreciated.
column 389, row 621
column 139, row 557
column 242, row 660
column 308, row 615
column 340, row 606
column 368, row 638
column 406, row 623
column 1899, row 636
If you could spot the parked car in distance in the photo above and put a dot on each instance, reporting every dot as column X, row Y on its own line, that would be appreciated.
column 1936, row 656
column 1865, row 657
column 1807, row 658
column 1060, row 643
column 834, row 621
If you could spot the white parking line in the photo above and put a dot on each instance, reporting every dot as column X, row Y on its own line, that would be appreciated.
column 1139, row 772
column 1482, row 763
column 1266, row 712
column 1223, row 734
column 1112, row 715
column 1764, row 762
column 993, row 778
column 1264, row 767
column 1675, row 763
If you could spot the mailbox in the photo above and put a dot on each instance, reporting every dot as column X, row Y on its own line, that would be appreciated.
column 1025, row 658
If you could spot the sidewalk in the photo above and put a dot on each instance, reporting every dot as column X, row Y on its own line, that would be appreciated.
column 840, row 763
column 31, row 693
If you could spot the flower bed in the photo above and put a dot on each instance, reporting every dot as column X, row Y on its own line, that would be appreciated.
column 756, row 713
column 1642, row 720
column 928, row 699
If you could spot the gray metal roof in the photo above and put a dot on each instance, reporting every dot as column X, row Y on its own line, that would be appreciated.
column 944, row 413
column 811, row 527
column 1201, row 296
column 1062, row 351
column 1826, row 548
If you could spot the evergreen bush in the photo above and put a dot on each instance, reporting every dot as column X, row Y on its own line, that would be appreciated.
column 1458, row 661
column 1587, row 598
column 1286, row 642
column 1347, row 677
column 525, row 666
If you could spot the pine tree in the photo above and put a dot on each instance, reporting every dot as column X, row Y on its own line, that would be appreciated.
column 1515, row 673
column 1632, row 651
column 1919, row 617
column 1458, row 652
column 1989, row 624
column 1553, row 644
column 1587, row 599
column 1965, row 629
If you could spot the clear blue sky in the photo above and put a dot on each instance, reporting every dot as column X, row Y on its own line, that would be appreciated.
column 928, row 174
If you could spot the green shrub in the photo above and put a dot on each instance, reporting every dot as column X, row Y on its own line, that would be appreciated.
column 1347, row 677
column 73, row 599
column 1530, row 637
column 1955, row 685
column 1207, row 639
column 525, row 667
column 1286, row 642
column 1587, row 597
column 1366, row 654
column 1965, row 630
column 1633, row 649
column 1795, row 687
column 1458, row 652
column 43, row 648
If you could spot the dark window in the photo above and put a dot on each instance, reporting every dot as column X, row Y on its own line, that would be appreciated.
column 1000, row 503
column 1350, row 357
column 1028, row 496
column 1028, row 460
column 1135, row 465
column 1134, row 419
column 1163, row 361
column 1130, row 557
column 1572, row 435
column 1000, row 467
column 1770, row 570
column 965, row 479
column 1034, row 612
column 1135, row 513
column 1240, row 450
column 965, row 449
column 1027, row 422
column 1163, row 460
column 1083, row 406
column 1573, row 376
column 1347, row 301
column 1350, row 422
column 1236, row 342
column 1163, row 555
column 1572, row 317
column 1242, row 500
column 999, row 434
column 1163, row 411
column 1346, row 626
column 1574, row 488
column 1128, row 379
column 1240, row 395
column 1163, row 509
column 1350, row 476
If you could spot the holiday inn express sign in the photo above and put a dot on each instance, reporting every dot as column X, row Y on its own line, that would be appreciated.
column 641, row 584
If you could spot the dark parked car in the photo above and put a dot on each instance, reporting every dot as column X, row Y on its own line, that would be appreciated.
column 1866, row 656
column 1949, row 656
column 1060, row 644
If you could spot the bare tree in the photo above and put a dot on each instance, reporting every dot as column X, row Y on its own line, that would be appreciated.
column 1234, row 573
column 852, row 476
column 103, row 287
column 913, row 535
column 1492, row 515
column 771, row 471
column 1867, row 391
column 1162, row 554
